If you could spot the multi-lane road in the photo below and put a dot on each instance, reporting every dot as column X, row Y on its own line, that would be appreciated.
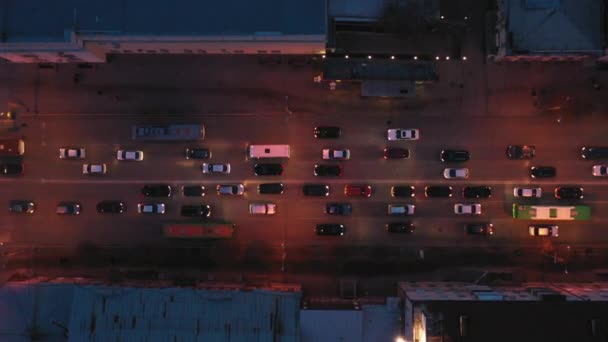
column 48, row 179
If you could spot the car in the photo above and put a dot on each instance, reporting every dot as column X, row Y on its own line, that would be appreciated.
column 400, row 227
column 402, row 134
column 400, row 209
column 396, row 153
column 270, row 188
column 197, row 210
column 11, row 169
column 331, row 229
column 130, row 155
column 591, row 153
column 193, row 190
column 358, row 190
column 230, row 189
column 438, row 191
column 543, row 230
column 452, row 173
column 21, row 206
column 403, row 191
column 542, row 172
column 72, row 153
column 68, row 208
column 479, row 229
column 527, row 192
column 467, row 208
column 197, row 153
column 327, row 132
column 521, row 151
column 262, row 208
column 215, row 168
column 268, row 169
column 477, row 192
column 568, row 192
column 454, row 156
column 599, row 170
column 315, row 190
column 343, row 209
column 111, row 207
column 94, row 169
column 157, row 190
column 333, row 154
column 151, row 208
column 324, row 170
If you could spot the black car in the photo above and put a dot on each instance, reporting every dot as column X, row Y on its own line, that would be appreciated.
column 158, row 190
column 396, row 153
column 199, row 210
column 21, row 206
column 438, row 191
column 328, row 170
column 521, row 151
column 479, row 229
column 477, row 192
column 331, row 229
column 11, row 169
column 594, row 152
column 112, row 207
column 568, row 192
column 193, row 190
column 400, row 227
column 315, row 190
column 343, row 209
column 403, row 191
column 268, row 169
column 270, row 188
column 454, row 156
column 327, row 132
column 197, row 153
column 542, row 172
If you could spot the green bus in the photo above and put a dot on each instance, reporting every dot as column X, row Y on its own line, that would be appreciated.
column 552, row 212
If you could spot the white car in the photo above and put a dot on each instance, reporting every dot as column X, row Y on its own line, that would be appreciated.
column 450, row 173
column 403, row 134
column 130, row 155
column 94, row 169
column 600, row 170
column 216, row 168
column 331, row 154
column 401, row 209
column 72, row 153
column 543, row 230
column 467, row 208
column 151, row 208
column 262, row 208
column 527, row 192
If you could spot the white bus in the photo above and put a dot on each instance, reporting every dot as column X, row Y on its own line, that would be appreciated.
column 268, row 151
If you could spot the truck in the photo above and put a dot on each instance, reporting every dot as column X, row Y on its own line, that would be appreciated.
column 12, row 147
column 172, row 132
column 199, row 230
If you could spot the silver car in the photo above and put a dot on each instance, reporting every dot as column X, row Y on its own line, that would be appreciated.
column 72, row 153
column 130, row 155
column 262, row 208
column 451, row 173
column 215, row 168
column 332, row 154
column 600, row 170
column 231, row 189
column 527, row 192
column 151, row 208
column 403, row 134
column 467, row 208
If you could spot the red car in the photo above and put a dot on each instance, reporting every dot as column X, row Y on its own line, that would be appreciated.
column 358, row 190
column 396, row 153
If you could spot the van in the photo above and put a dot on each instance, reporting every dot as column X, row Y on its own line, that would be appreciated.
column 268, row 151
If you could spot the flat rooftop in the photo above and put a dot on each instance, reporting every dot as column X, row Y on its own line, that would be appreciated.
column 47, row 21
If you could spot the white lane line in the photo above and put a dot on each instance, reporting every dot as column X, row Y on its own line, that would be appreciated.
column 329, row 181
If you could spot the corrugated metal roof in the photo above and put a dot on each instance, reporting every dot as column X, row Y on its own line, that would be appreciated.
column 105, row 313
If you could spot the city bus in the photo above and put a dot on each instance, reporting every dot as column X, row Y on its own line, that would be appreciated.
column 180, row 132
column 12, row 147
column 551, row 212
column 199, row 230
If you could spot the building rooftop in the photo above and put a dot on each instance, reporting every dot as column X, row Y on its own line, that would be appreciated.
column 553, row 26
column 48, row 21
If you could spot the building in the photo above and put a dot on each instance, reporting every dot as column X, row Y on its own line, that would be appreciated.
column 35, row 31
column 549, row 30
column 455, row 311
